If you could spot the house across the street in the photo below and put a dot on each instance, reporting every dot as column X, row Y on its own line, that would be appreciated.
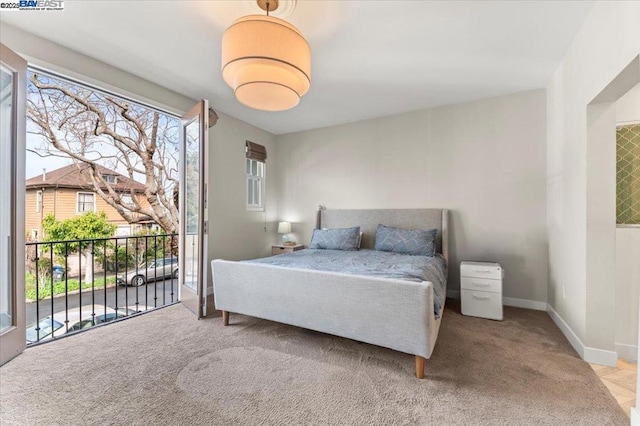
column 67, row 192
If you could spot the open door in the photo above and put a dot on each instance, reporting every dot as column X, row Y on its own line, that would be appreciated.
column 193, row 208
column 13, row 89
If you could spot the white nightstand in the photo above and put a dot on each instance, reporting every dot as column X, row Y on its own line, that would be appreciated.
column 481, row 289
column 280, row 249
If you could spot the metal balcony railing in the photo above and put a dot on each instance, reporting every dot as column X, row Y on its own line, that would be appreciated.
column 77, row 284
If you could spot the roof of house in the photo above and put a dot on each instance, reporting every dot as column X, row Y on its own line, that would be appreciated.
column 76, row 176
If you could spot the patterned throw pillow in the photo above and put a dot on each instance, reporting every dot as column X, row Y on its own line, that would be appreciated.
column 406, row 241
column 336, row 239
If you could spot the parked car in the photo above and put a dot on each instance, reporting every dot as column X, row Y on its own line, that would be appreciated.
column 54, row 325
column 158, row 269
column 131, row 310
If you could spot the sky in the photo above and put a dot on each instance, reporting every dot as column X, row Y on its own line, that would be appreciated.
column 35, row 163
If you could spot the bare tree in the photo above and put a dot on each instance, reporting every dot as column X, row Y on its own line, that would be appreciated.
column 95, row 129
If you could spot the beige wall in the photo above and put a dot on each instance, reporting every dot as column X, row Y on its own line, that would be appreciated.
column 608, row 41
column 484, row 160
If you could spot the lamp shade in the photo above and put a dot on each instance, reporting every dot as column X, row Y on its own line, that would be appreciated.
column 267, row 62
column 284, row 228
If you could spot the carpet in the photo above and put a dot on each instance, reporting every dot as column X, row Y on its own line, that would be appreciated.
column 166, row 368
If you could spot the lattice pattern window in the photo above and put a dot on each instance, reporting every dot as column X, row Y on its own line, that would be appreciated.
column 628, row 175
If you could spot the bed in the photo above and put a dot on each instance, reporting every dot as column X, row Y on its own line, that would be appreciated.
column 399, row 314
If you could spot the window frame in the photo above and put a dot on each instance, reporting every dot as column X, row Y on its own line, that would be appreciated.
column 39, row 196
column 128, row 200
column 78, row 193
column 110, row 178
column 250, row 179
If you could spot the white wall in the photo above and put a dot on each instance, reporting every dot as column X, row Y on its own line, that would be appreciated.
column 54, row 57
column 608, row 41
column 628, row 106
column 627, row 255
column 484, row 160
column 234, row 232
column 627, row 291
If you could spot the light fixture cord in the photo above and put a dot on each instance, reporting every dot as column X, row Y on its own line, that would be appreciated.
column 268, row 8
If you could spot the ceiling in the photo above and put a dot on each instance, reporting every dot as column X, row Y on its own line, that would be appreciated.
column 369, row 58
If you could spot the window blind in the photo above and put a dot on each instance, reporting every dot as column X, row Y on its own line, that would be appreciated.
column 256, row 152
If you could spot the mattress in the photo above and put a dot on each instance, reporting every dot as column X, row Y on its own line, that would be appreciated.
column 370, row 263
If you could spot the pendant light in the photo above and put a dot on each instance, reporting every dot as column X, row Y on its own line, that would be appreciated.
column 266, row 61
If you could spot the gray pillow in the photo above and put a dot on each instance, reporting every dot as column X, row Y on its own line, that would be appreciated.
column 406, row 241
column 336, row 239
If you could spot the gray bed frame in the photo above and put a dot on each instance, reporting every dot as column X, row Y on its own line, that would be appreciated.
column 392, row 313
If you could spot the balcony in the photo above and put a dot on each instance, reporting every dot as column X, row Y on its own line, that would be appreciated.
column 75, row 285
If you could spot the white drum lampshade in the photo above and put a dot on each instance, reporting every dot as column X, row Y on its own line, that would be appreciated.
column 267, row 62
column 284, row 228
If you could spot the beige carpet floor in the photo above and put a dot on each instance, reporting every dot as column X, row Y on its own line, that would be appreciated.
column 166, row 368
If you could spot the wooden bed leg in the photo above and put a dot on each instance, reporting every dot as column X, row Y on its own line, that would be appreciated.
column 420, row 367
column 225, row 318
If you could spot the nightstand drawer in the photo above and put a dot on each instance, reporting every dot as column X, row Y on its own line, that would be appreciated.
column 481, row 284
column 482, row 304
column 481, row 270
column 286, row 249
column 280, row 250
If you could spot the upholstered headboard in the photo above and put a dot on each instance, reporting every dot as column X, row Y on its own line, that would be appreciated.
column 368, row 221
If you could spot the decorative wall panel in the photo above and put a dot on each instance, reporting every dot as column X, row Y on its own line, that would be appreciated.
column 628, row 174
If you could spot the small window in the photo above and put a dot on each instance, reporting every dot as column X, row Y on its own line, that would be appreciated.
column 126, row 198
column 255, row 185
column 38, row 201
column 34, row 235
column 110, row 178
column 86, row 202
column 256, row 176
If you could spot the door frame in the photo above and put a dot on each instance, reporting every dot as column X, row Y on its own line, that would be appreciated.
column 13, row 340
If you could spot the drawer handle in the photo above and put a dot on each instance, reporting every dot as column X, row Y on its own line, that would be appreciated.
column 482, row 271
column 480, row 284
column 481, row 297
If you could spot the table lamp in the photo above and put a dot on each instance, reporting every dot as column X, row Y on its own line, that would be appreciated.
column 284, row 228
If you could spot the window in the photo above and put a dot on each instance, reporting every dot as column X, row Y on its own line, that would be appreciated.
column 110, row 178
column 255, row 185
column 255, row 169
column 126, row 198
column 123, row 231
column 86, row 202
column 38, row 201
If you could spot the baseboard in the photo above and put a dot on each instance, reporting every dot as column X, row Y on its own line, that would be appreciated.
column 628, row 352
column 509, row 301
column 635, row 416
column 600, row 356
column 572, row 337
column 524, row 303
column 592, row 355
